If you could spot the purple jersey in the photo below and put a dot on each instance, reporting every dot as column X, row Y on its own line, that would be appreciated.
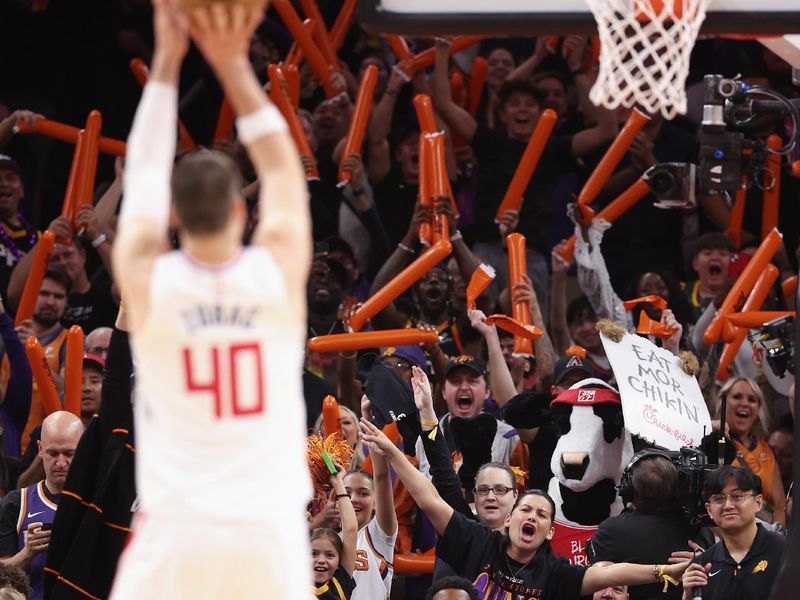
column 34, row 508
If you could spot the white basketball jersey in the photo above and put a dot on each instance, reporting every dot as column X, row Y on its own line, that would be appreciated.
column 220, row 414
column 374, row 563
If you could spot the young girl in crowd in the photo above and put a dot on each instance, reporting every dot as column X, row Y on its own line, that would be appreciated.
column 518, row 561
column 333, row 557
column 373, row 503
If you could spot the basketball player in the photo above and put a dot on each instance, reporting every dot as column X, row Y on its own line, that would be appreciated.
column 217, row 333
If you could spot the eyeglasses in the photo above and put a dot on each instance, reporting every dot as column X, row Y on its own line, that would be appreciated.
column 499, row 490
column 400, row 365
column 736, row 498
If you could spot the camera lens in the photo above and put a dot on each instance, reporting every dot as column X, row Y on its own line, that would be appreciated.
column 662, row 182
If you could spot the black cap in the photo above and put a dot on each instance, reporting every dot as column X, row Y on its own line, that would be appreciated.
column 568, row 364
column 6, row 162
column 476, row 364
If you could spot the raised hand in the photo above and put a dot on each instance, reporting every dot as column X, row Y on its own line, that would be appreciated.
column 477, row 319
column 376, row 440
column 422, row 389
column 170, row 28
column 508, row 221
column 223, row 31
column 672, row 343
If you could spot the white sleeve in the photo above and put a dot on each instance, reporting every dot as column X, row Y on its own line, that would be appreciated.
column 593, row 275
column 149, row 156
column 384, row 543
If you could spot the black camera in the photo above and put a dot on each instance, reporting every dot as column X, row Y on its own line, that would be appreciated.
column 693, row 466
column 776, row 339
column 736, row 121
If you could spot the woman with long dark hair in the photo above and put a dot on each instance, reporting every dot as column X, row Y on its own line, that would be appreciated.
column 519, row 560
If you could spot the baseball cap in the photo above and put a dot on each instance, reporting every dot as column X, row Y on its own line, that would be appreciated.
column 411, row 353
column 94, row 361
column 6, row 162
column 568, row 364
column 476, row 364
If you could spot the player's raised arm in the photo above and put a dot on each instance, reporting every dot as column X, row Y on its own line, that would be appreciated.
column 144, row 217
column 223, row 32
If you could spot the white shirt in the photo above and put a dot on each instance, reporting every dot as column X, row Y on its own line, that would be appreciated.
column 374, row 563
column 220, row 414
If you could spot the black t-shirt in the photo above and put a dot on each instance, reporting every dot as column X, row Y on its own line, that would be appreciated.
column 395, row 200
column 332, row 591
column 750, row 579
column 474, row 552
column 91, row 309
column 645, row 539
column 498, row 157
column 9, row 514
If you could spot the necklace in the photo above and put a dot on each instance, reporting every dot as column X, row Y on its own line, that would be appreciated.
column 5, row 237
column 514, row 576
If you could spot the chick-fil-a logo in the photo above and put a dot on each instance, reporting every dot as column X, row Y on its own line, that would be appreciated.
column 649, row 414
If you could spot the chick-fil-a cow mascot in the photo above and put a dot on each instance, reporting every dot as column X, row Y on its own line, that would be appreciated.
column 592, row 449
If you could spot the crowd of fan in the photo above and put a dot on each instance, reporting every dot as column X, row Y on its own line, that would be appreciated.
column 365, row 234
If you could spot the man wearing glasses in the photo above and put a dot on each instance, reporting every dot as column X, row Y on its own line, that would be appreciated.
column 744, row 563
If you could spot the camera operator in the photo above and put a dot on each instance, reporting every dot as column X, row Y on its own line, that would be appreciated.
column 744, row 563
column 656, row 527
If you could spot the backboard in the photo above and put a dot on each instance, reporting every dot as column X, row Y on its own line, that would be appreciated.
column 554, row 17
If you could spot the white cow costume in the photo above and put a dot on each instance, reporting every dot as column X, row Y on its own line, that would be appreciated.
column 592, row 450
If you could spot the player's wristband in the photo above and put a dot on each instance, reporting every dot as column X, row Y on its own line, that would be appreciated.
column 257, row 124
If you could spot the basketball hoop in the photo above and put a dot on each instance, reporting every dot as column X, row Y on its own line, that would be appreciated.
column 645, row 49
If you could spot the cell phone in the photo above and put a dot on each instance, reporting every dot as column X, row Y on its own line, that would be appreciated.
column 46, row 527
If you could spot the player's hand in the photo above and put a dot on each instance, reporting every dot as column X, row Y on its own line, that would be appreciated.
column 36, row 540
column 223, row 31
column 170, row 28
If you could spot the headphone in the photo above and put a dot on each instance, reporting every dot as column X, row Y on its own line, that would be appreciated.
column 625, row 487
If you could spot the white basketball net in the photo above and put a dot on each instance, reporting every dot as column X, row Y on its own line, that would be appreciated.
column 644, row 52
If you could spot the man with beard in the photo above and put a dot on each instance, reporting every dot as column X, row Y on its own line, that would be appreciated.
column 433, row 294
column 711, row 260
column 46, row 326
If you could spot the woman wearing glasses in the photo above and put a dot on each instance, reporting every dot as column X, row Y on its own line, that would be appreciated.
column 745, row 562
column 495, row 483
column 517, row 561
